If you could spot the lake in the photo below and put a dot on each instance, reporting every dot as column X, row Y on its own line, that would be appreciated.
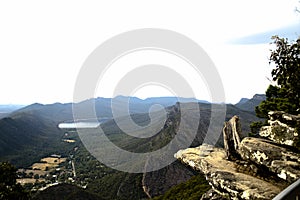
column 78, row 125
column 82, row 124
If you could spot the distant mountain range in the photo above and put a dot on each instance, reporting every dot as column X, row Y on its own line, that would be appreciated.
column 250, row 104
column 137, row 105
column 31, row 132
column 8, row 108
column 36, row 125
column 34, row 128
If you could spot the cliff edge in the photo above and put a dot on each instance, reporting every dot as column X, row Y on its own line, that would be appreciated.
column 253, row 168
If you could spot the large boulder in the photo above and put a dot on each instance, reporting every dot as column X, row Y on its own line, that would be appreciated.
column 278, row 159
column 281, row 128
column 225, row 176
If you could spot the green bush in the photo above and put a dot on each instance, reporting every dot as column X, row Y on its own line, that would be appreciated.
column 193, row 189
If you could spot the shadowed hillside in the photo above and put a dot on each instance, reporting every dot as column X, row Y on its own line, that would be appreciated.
column 31, row 133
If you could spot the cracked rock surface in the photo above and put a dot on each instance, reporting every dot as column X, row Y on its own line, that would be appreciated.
column 225, row 176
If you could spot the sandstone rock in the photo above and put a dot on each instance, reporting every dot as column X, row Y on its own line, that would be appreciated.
column 280, row 160
column 279, row 133
column 283, row 117
column 212, row 195
column 281, row 129
column 232, row 136
column 274, row 115
column 254, row 168
column 224, row 175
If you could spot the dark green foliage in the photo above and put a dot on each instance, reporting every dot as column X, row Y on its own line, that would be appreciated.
column 104, row 181
column 285, row 95
column 276, row 100
column 287, row 69
column 255, row 127
column 66, row 192
column 9, row 188
column 119, row 185
column 193, row 189
column 26, row 137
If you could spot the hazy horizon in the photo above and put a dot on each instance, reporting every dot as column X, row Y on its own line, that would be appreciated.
column 204, row 100
column 43, row 45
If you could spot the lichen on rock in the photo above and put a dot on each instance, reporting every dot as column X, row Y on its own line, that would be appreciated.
column 274, row 157
column 282, row 128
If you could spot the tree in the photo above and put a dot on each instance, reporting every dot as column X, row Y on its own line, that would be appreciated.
column 9, row 188
column 36, row 176
column 285, row 94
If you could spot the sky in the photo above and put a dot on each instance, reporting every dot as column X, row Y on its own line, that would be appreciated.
column 43, row 44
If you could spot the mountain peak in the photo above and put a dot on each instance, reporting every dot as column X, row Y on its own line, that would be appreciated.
column 250, row 104
column 261, row 97
column 243, row 100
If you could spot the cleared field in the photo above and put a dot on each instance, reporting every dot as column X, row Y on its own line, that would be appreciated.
column 23, row 181
column 51, row 160
column 48, row 163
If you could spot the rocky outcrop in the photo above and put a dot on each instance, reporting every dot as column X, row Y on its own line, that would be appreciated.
column 256, row 168
column 232, row 136
column 282, row 128
column 277, row 159
column 225, row 176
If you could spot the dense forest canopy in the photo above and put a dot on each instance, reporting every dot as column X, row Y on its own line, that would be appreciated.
column 284, row 94
column 9, row 188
